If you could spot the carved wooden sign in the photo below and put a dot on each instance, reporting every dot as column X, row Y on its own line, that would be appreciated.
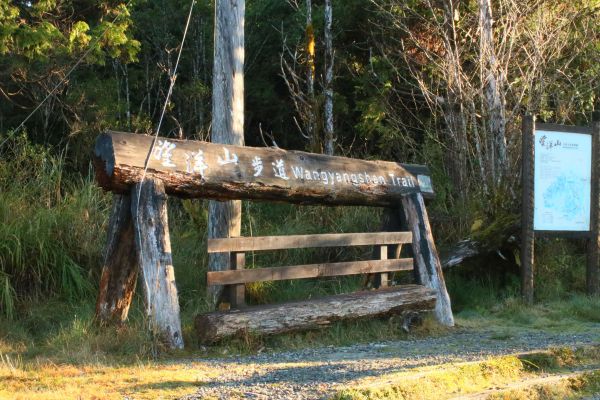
column 200, row 169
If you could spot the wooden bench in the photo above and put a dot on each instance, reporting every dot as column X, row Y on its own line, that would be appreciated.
column 142, row 171
column 320, row 312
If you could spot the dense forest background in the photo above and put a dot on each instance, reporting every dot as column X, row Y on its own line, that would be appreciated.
column 443, row 83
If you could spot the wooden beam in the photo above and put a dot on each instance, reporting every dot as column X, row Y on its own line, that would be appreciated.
column 120, row 268
column 218, row 171
column 593, row 243
column 427, row 262
column 153, row 245
column 527, row 205
column 315, row 313
column 307, row 271
column 258, row 243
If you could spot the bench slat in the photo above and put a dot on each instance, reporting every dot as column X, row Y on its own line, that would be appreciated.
column 308, row 271
column 307, row 241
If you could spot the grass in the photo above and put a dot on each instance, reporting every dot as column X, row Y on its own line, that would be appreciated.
column 451, row 380
column 47, row 380
column 438, row 381
column 48, row 228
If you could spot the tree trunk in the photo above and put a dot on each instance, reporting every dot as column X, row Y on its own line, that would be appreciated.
column 454, row 108
column 316, row 313
column 224, row 218
column 310, row 76
column 427, row 262
column 492, row 80
column 329, row 134
column 120, row 269
column 153, row 244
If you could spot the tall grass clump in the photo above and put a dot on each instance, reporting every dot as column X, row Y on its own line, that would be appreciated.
column 51, row 227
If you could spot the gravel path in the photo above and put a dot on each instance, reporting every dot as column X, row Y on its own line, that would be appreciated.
column 319, row 373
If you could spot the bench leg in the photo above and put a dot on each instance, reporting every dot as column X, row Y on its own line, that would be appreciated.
column 384, row 276
column 153, row 244
column 427, row 262
column 120, row 268
column 237, row 293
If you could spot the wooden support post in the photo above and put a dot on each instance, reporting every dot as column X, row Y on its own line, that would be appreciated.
column 391, row 221
column 151, row 228
column 237, row 294
column 527, row 204
column 384, row 276
column 427, row 262
column 120, row 268
column 593, row 245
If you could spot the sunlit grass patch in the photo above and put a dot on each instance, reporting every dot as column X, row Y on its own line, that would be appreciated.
column 575, row 312
column 437, row 382
column 486, row 378
column 48, row 380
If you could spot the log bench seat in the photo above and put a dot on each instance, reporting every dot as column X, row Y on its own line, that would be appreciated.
column 313, row 313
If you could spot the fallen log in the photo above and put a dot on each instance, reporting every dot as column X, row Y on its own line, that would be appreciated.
column 199, row 169
column 315, row 313
column 499, row 238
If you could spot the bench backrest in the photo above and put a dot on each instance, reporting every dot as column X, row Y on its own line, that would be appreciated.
column 243, row 244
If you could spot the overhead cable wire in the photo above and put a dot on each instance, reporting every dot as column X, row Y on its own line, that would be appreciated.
column 172, row 79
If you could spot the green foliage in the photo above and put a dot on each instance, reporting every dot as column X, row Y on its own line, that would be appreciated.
column 40, row 42
column 38, row 31
column 49, row 228
column 560, row 268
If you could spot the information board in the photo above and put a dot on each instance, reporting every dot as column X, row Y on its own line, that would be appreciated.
column 562, row 181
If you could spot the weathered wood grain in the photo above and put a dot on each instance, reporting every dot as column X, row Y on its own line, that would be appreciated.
column 153, row 244
column 427, row 262
column 120, row 268
column 237, row 292
column 383, row 276
column 216, row 171
column 308, row 271
column 527, row 205
column 225, row 217
column 258, row 243
column 316, row 313
column 593, row 243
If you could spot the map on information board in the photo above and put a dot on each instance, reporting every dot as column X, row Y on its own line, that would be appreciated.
column 562, row 181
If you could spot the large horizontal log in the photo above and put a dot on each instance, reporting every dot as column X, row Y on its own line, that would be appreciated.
column 257, row 243
column 199, row 169
column 307, row 271
column 314, row 313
